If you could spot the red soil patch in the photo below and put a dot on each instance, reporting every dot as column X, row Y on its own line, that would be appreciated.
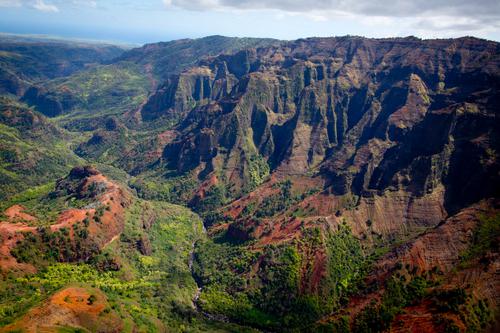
column 236, row 207
column 415, row 319
column 69, row 217
column 218, row 228
column 319, row 269
column 205, row 187
column 10, row 234
column 282, row 232
column 16, row 213
column 279, row 228
column 110, row 224
column 78, row 300
column 439, row 247
column 358, row 304
column 74, row 307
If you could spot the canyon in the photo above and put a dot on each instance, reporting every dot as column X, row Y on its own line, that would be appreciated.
column 345, row 184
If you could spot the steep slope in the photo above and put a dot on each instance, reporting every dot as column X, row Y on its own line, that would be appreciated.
column 446, row 278
column 108, row 89
column 346, row 105
column 124, row 84
column 33, row 151
column 68, row 235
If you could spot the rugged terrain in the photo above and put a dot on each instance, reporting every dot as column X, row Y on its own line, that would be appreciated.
column 345, row 184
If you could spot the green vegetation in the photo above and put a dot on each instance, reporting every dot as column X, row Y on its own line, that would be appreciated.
column 405, row 289
column 44, row 203
column 175, row 56
column 477, row 315
column 143, row 283
column 223, row 271
column 177, row 189
column 258, row 170
column 346, row 268
column 280, row 202
column 474, row 313
column 398, row 294
column 485, row 237
column 33, row 151
column 19, row 294
column 262, row 287
column 216, row 264
column 105, row 89
column 30, row 60
column 214, row 198
column 47, row 246
column 161, row 272
column 276, row 203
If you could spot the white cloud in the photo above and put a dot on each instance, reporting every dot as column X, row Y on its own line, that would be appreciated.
column 437, row 15
column 10, row 3
column 366, row 7
column 45, row 7
column 48, row 6
column 87, row 3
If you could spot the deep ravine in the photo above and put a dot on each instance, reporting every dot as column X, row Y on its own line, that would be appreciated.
column 196, row 297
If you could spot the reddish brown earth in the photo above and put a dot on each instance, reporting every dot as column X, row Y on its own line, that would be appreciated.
column 70, row 307
column 205, row 186
column 109, row 228
column 11, row 231
column 111, row 222
column 439, row 247
column 416, row 319
column 16, row 212
column 395, row 213
column 10, row 234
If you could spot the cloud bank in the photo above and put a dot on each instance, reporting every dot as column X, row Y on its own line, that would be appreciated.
column 398, row 8
column 430, row 15
column 287, row 18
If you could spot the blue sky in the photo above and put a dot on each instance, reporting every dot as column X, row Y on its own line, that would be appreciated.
column 154, row 20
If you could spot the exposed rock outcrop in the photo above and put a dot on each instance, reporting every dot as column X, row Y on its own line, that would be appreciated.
column 368, row 117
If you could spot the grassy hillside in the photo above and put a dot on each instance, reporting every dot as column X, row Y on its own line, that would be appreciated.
column 173, row 57
column 32, row 150
column 28, row 60
column 90, row 95
column 143, row 278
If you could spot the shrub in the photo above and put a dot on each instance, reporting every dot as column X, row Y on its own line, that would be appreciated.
column 92, row 298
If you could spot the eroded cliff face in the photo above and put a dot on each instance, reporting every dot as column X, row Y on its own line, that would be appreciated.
column 371, row 115
column 445, row 254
